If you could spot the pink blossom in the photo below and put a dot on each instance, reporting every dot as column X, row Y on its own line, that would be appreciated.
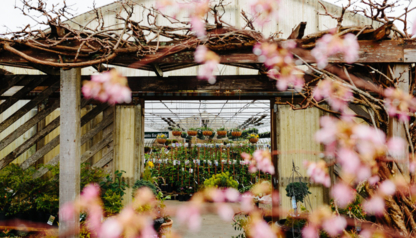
column 264, row 10
column 260, row 229
column 335, row 225
column 247, row 204
column 387, row 187
column 375, row 205
column 225, row 211
column 67, row 211
column 111, row 228
column 189, row 215
column 412, row 166
column 366, row 234
column 95, row 214
column 292, row 79
column 148, row 231
column 310, row 231
column 342, row 194
column 373, row 180
column 327, row 134
column 396, row 146
column 232, row 195
column 349, row 160
column 90, row 192
column 330, row 45
column 399, row 103
column 261, row 161
column 200, row 53
column 198, row 26
column 206, row 71
column 318, row 172
column 363, row 173
column 335, row 93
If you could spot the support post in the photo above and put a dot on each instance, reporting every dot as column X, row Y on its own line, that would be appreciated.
column 128, row 144
column 397, row 128
column 295, row 131
column 70, row 142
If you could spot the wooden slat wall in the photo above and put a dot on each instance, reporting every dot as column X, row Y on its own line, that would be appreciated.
column 296, row 143
column 21, row 143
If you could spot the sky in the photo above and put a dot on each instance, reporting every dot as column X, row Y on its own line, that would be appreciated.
column 13, row 19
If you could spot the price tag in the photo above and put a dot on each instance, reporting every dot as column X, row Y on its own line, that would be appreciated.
column 235, row 161
column 195, row 181
column 154, row 160
column 174, row 162
column 205, row 161
column 209, row 162
column 198, row 162
column 50, row 220
column 179, row 162
column 194, row 161
column 186, row 162
column 191, row 171
column 230, row 162
column 216, row 163
column 183, row 169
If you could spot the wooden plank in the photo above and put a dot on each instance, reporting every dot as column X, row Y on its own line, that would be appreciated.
column 21, row 93
column 40, row 153
column 95, row 148
column 105, row 160
column 91, row 133
column 70, row 141
column 28, row 106
column 8, row 82
column 28, row 124
column 93, row 113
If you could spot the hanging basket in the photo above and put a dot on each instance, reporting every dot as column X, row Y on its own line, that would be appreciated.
column 221, row 133
column 254, row 140
column 176, row 133
column 161, row 141
column 192, row 133
column 207, row 133
column 236, row 133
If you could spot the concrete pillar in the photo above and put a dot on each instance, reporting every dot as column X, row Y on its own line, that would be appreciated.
column 70, row 142
column 129, row 144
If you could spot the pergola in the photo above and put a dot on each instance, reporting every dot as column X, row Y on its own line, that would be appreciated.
column 122, row 126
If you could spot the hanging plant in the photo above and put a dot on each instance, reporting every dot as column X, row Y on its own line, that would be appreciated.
column 206, row 131
column 298, row 189
column 253, row 138
column 236, row 132
column 192, row 132
column 222, row 132
column 176, row 131
column 161, row 138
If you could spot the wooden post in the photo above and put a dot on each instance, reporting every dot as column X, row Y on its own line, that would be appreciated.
column 70, row 143
column 128, row 144
column 397, row 128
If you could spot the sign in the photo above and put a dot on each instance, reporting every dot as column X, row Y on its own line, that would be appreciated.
column 153, row 135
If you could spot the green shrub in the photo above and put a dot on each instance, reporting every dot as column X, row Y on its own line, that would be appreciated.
column 144, row 183
column 222, row 180
column 298, row 189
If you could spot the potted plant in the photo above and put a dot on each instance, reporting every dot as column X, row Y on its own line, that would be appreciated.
column 253, row 138
column 206, row 131
column 161, row 138
column 297, row 191
column 221, row 132
column 192, row 132
column 221, row 180
column 176, row 131
column 112, row 193
column 236, row 132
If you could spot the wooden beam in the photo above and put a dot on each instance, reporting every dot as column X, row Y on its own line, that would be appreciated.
column 105, row 160
column 21, row 93
column 158, row 70
column 28, row 124
column 7, row 82
column 298, row 32
column 70, row 141
column 382, row 32
column 28, row 106
column 95, row 148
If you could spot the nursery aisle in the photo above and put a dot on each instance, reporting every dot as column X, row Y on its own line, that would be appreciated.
column 212, row 226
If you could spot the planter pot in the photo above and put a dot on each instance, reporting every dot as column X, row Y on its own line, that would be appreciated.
column 161, row 141
column 176, row 133
column 236, row 133
column 165, row 229
column 221, row 133
column 254, row 140
column 207, row 133
column 192, row 133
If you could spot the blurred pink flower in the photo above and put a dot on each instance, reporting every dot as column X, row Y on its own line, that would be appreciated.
column 148, row 231
column 111, row 228
column 292, row 79
column 198, row 26
column 387, row 187
column 399, row 103
column 330, row 45
column 90, row 192
column 225, row 212
column 265, row 10
column 335, row 225
column 318, row 172
column 95, row 214
column 327, row 134
column 342, row 194
column 396, row 146
column 260, row 229
column 375, row 205
column 67, row 211
column 189, row 215
column 261, row 161
column 232, row 195
column 206, row 71
column 335, row 93
column 310, row 231
column 349, row 160
column 200, row 53
column 247, row 203
column 373, row 180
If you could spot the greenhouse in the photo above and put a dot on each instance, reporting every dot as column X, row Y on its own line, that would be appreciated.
column 249, row 118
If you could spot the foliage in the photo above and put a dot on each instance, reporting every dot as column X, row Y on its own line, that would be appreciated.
column 144, row 183
column 240, row 224
column 298, row 189
column 222, row 180
column 205, row 128
column 161, row 136
column 176, row 129
column 353, row 210
column 255, row 136
column 222, row 129
column 90, row 174
column 112, row 192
